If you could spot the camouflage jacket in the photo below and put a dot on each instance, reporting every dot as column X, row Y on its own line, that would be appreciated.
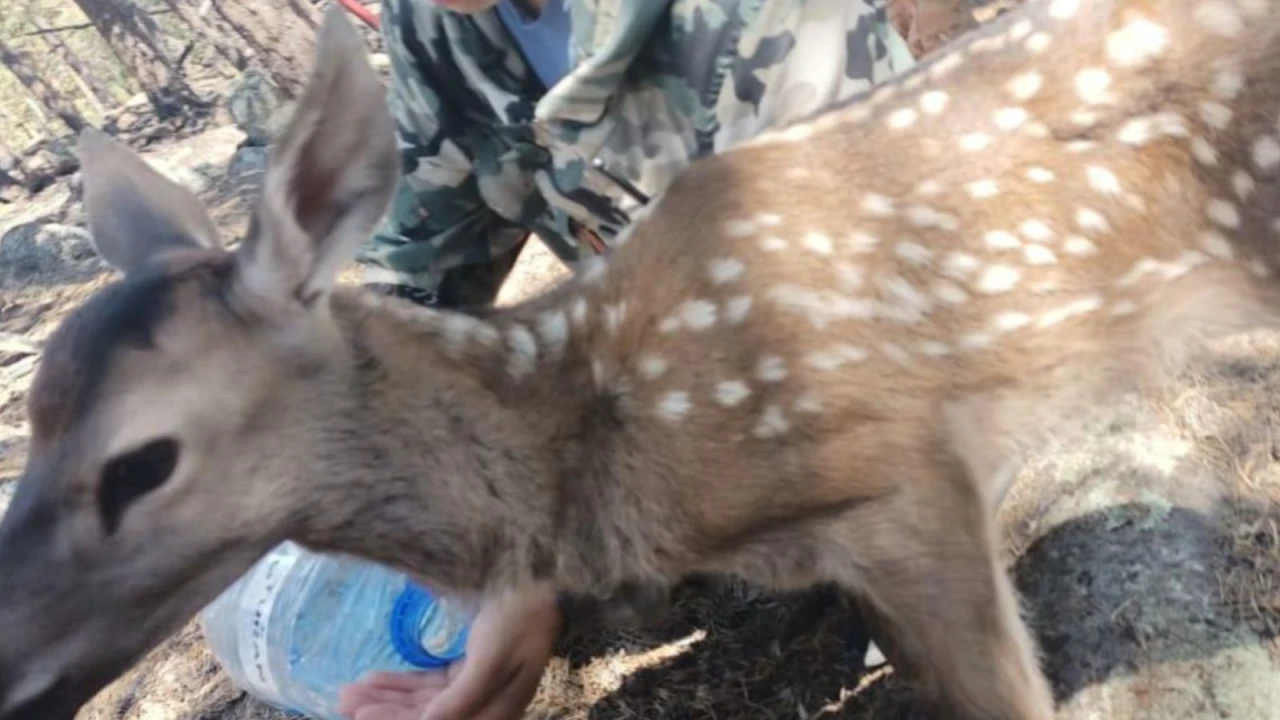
column 490, row 155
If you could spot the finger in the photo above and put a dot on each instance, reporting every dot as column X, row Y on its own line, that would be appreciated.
column 405, row 681
column 475, row 687
column 512, row 699
column 387, row 712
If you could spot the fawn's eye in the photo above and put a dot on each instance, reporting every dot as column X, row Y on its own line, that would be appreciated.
column 129, row 476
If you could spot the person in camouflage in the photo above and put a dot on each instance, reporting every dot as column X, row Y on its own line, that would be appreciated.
column 502, row 134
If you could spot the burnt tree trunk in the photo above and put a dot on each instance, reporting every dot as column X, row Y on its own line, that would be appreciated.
column 282, row 35
column 136, row 40
column 88, row 78
column 211, row 32
column 21, row 67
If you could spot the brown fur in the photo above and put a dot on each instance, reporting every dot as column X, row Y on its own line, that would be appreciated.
column 539, row 444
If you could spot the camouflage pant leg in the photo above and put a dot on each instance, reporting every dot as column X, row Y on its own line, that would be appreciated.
column 796, row 57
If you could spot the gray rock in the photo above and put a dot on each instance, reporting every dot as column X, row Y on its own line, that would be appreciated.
column 34, row 251
column 257, row 106
column 247, row 163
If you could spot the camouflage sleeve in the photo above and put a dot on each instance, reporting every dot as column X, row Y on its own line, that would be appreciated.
column 795, row 57
column 440, row 243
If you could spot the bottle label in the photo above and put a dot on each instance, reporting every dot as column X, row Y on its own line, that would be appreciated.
column 258, row 600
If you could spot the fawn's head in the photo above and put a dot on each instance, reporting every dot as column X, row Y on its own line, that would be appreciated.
column 149, row 486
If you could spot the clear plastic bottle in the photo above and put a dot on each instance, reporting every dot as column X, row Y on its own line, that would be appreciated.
column 300, row 625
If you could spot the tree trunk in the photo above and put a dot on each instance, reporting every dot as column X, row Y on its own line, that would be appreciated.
column 211, row 33
column 87, row 77
column 136, row 40
column 20, row 65
column 282, row 35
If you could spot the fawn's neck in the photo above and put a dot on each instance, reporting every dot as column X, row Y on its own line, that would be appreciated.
column 459, row 446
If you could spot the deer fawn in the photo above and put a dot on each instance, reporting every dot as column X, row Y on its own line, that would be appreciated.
column 812, row 360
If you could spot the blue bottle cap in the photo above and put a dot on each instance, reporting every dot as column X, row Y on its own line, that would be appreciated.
column 406, row 630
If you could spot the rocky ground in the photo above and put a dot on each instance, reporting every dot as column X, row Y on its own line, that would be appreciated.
column 1147, row 546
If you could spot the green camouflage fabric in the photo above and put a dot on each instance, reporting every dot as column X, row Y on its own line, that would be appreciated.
column 490, row 155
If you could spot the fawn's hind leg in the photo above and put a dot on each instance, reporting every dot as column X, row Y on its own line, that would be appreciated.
column 926, row 559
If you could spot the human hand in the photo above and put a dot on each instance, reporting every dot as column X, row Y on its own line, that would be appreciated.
column 510, row 644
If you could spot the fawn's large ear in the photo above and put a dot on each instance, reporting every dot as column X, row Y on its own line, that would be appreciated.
column 134, row 212
column 330, row 178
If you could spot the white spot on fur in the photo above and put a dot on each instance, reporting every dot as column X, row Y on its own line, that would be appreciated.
column 578, row 312
column 1001, row 240
column 914, row 253
column 1103, row 180
column 1020, row 29
column 652, row 367
column 1216, row 244
column 736, row 309
column 773, row 244
column 877, row 205
column 819, row 243
column 960, row 265
column 1266, row 153
column 1144, row 129
column 1063, row 9
column 895, row 353
column 926, row 217
column 975, row 341
column 1203, row 152
column 908, row 297
column 1079, row 246
column 1038, row 255
column 850, row 277
column 613, row 316
column 1010, row 118
column 1123, row 307
column 975, row 142
column 1084, row 118
column 669, row 325
column 862, row 243
column 1037, row 43
column 553, row 328
column 808, row 403
column 1072, row 309
column 1228, row 80
column 944, row 65
column 838, row 356
column 524, row 351
column 933, row 348
column 1036, row 230
column 1011, row 320
column 1025, row 86
column 732, row 392
column 1137, row 43
column 1040, row 175
column 1215, row 114
column 1036, row 130
column 1223, row 213
column 902, row 118
column 771, row 369
column 998, row 279
column 928, row 188
column 772, row 423
column 769, row 219
column 739, row 228
column 980, row 189
column 1243, row 183
column 674, row 405
column 1092, row 85
column 1091, row 220
column 725, row 270
column 698, row 314
column 933, row 102
column 949, row 293
column 1219, row 17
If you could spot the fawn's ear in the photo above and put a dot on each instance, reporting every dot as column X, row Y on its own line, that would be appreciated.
column 134, row 212
column 330, row 177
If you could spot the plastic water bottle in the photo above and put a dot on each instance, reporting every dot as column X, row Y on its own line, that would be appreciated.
column 300, row 625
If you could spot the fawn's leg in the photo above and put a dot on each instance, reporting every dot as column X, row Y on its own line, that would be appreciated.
column 925, row 558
